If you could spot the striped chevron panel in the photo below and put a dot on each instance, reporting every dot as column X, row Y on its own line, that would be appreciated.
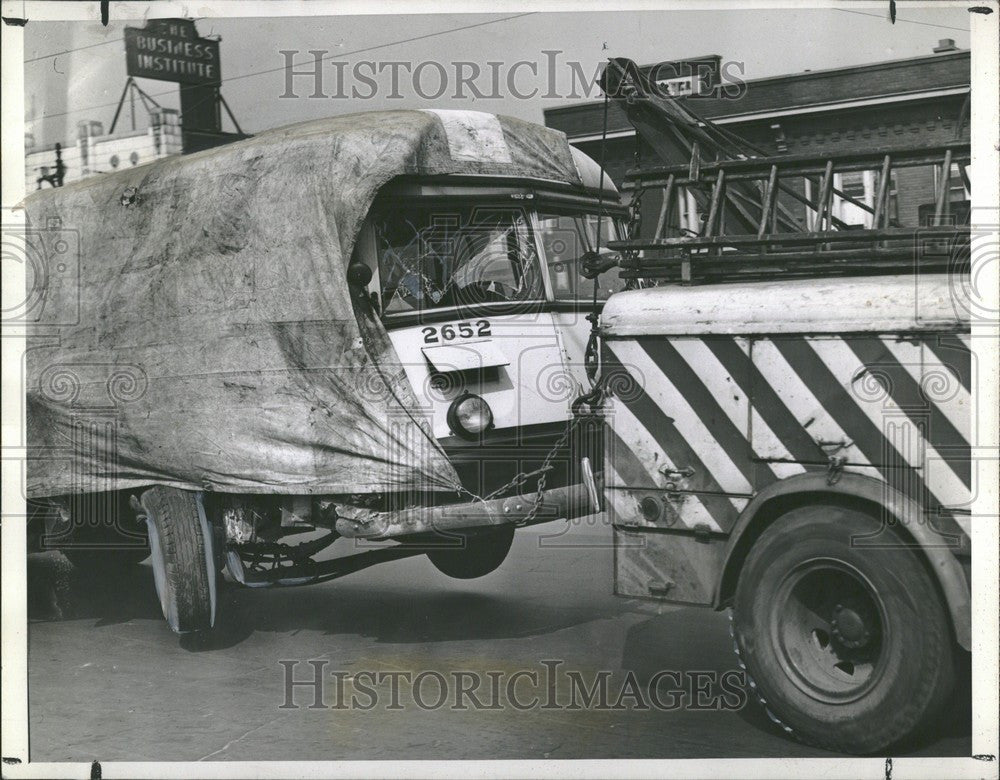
column 700, row 424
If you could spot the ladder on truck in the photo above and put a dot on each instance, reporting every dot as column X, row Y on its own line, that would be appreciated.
column 745, row 197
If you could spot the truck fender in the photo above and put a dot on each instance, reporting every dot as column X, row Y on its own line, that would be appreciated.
column 812, row 487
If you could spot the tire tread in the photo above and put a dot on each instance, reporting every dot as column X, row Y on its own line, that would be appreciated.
column 175, row 513
column 853, row 735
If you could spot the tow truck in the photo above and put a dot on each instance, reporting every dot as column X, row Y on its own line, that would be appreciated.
column 788, row 418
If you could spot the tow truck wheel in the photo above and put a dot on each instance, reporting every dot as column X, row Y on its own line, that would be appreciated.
column 180, row 542
column 847, row 645
column 480, row 554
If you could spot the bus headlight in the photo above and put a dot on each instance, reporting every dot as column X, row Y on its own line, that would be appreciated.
column 469, row 415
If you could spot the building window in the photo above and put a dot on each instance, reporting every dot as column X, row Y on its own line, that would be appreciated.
column 893, row 201
column 861, row 186
column 854, row 184
column 956, row 184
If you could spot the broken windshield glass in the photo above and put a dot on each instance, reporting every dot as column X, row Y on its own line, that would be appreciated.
column 434, row 257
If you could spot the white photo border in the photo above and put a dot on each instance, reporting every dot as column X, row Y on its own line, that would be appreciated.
column 985, row 122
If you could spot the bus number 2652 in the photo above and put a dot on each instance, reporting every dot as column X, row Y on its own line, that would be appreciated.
column 460, row 330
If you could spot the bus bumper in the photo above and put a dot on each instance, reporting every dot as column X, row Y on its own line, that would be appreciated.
column 564, row 503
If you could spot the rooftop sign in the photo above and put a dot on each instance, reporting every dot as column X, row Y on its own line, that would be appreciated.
column 170, row 50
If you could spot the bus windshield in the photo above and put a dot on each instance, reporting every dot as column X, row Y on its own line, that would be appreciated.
column 566, row 237
column 435, row 257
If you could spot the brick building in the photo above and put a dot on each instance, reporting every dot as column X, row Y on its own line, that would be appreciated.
column 917, row 102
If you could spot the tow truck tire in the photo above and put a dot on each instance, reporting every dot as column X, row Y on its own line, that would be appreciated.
column 482, row 553
column 848, row 646
column 184, row 569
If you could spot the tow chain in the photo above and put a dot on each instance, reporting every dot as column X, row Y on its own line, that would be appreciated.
column 591, row 358
column 593, row 398
column 543, row 471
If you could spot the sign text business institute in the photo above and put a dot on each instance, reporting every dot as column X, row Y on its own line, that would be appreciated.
column 158, row 54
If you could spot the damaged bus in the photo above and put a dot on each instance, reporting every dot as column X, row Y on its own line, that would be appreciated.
column 371, row 328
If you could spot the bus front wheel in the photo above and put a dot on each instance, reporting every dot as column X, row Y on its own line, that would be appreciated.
column 474, row 554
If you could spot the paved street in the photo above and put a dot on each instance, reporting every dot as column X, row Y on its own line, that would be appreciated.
column 109, row 681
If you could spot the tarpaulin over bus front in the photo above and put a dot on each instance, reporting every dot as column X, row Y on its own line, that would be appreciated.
column 193, row 326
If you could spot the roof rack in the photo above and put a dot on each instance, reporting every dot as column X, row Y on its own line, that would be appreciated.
column 741, row 195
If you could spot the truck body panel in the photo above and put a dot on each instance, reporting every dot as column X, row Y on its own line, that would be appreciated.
column 700, row 422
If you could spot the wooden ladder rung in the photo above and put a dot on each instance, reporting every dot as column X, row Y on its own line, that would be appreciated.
column 668, row 199
column 770, row 190
column 940, row 204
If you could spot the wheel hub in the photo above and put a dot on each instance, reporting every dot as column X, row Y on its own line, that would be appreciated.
column 827, row 628
column 850, row 626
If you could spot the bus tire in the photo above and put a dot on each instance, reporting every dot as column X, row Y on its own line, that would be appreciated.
column 848, row 647
column 480, row 554
column 184, row 570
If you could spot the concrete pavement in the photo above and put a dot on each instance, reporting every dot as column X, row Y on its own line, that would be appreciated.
column 109, row 681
